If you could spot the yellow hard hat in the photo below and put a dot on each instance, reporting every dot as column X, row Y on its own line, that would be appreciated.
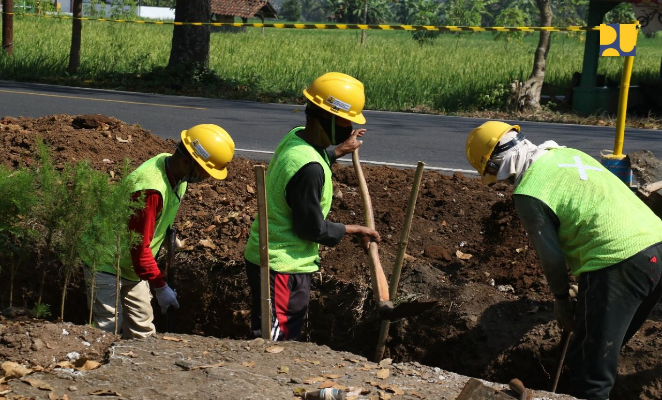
column 339, row 94
column 211, row 146
column 482, row 141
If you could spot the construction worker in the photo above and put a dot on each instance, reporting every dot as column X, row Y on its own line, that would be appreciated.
column 582, row 217
column 299, row 194
column 204, row 152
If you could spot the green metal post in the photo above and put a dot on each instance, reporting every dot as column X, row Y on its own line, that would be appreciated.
column 585, row 98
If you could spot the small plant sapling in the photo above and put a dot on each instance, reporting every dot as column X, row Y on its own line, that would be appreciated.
column 41, row 310
column 50, row 210
column 97, row 234
column 17, row 201
column 120, row 208
column 79, row 214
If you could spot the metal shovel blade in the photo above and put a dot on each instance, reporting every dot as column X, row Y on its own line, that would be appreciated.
column 403, row 310
column 476, row 390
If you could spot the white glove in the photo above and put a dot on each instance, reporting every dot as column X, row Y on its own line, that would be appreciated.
column 166, row 298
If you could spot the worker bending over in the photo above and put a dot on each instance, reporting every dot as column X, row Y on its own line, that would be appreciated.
column 204, row 151
column 582, row 217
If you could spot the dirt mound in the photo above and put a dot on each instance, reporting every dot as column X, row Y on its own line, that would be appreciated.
column 196, row 367
column 467, row 250
column 45, row 344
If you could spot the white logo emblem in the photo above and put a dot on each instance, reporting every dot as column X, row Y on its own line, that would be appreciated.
column 580, row 167
column 337, row 104
column 200, row 150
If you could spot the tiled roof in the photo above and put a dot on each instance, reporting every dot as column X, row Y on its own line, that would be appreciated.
column 243, row 8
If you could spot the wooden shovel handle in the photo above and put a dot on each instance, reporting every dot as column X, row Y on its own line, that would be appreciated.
column 518, row 386
column 379, row 282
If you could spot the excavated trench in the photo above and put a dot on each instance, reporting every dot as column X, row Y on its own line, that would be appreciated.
column 466, row 250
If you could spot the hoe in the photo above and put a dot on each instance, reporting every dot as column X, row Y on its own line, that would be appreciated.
column 380, row 287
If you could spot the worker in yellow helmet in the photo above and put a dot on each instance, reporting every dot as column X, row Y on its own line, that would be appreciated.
column 299, row 194
column 581, row 217
column 203, row 152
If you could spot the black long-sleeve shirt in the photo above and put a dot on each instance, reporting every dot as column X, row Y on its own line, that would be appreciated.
column 542, row 225
column 303, row 194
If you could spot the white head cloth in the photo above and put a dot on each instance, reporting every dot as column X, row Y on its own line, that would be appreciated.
column 516, row 160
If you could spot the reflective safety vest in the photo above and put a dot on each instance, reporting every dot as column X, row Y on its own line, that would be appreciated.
column 288, row 253
column 602, row 222
column 151, row 175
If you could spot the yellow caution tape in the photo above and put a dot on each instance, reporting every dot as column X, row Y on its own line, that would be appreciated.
column 448, row 28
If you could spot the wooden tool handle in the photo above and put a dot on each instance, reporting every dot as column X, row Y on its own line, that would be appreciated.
column 263, row 220
column 379, row 282
column 518, row 386
column 565, row 341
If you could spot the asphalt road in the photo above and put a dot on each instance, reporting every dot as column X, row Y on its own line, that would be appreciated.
column 399, row 139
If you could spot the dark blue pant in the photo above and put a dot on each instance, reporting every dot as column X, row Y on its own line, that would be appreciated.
column 612, row 305
column 290, row 295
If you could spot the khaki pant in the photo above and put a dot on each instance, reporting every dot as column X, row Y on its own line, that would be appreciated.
column 135, row 313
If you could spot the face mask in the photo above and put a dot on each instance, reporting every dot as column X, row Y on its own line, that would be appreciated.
column 191, row 179
column 192, row 176
column 337, row 134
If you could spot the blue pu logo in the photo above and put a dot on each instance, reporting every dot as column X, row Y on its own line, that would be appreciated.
column 618, row 40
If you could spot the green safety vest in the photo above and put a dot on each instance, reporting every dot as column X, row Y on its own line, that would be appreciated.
column 287, row 252
column 151, row 175
column 602, row 222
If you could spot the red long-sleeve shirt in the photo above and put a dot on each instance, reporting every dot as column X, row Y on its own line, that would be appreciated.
column 143, row 222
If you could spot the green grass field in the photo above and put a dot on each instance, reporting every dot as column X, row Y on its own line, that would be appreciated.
column 453, row 73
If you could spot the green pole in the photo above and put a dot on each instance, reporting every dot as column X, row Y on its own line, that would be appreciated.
column 584, row 99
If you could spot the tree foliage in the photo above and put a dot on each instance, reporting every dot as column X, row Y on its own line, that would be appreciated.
column 466, row 12
column 16, row 228
column 351, row 11
column 420, row 12
column 68, row 217
column 313, row 10
column 621, row 14
column 290, row 10
column 511, row 17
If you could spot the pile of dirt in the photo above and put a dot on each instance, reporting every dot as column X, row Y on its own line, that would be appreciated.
column 45, row 344
column 197, row 367
column 467, row 250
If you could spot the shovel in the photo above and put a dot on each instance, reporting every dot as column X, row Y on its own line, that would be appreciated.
column 386, row 309
column 476, row 390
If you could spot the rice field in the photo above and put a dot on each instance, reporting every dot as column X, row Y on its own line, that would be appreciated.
column 454, row 72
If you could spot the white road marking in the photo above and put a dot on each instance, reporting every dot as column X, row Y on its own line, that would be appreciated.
column 464, row 171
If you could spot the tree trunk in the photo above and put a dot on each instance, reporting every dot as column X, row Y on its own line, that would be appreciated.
column 365, row 21
column 528, row 93
column 67, row 278
column 76, row 34
column 8, row 27
column 12, row 277
column 118, row 280
column 47, row 253
column 93, row 283
column 190, row 43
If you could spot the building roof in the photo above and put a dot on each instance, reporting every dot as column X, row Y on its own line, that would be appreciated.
column 243, row 8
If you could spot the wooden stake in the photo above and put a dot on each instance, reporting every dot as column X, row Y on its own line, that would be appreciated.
column 265, row 288
column 404, row 234
column 402, row 249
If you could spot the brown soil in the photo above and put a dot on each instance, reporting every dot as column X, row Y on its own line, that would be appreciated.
column 467, row 250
